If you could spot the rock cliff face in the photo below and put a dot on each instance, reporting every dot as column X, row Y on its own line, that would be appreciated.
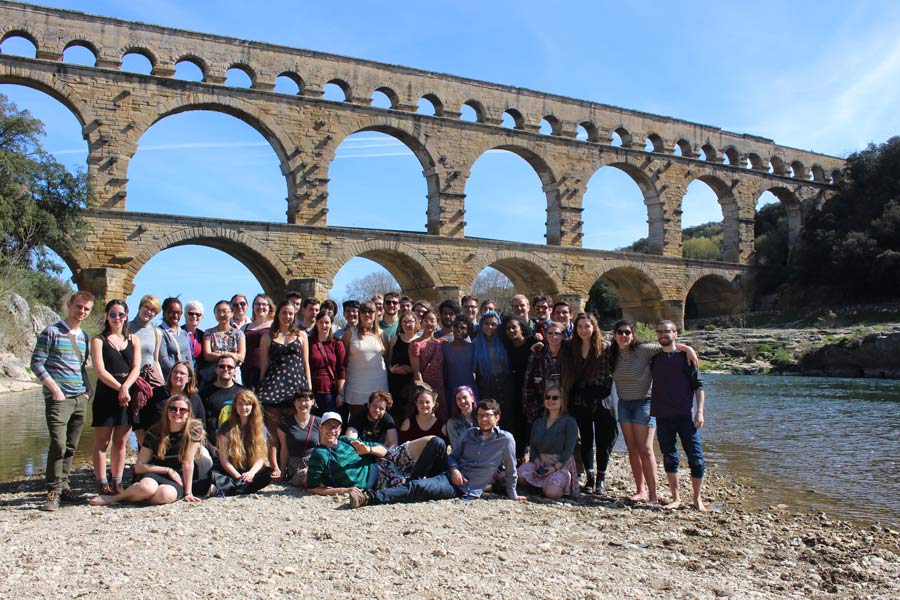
column 839, row 352
column 17, row 337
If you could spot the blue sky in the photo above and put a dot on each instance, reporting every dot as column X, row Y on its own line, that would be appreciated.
column 821, row 75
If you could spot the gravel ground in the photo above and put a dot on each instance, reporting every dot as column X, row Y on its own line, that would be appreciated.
column 282, row 543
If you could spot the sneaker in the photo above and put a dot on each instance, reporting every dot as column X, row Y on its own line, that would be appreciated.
column 70, row 496
column 52, row 502
column 358, row 498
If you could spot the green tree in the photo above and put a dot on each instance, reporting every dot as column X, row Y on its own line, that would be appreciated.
column 40, row 206
column 852, row 244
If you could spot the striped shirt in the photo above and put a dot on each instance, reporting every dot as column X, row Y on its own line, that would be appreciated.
column 633, row 376
column 54, row 357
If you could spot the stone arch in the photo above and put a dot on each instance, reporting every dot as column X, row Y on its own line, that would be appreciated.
column 685, row 147
column 412, row 269
column 792, row 206
column 529, row 273
column 388, row 91
column 517, row 117
column 733, row 156
column 655, row 213
column 554, row 123
column 22, row 32
column 142, row 51
column 54, row 88
column 278, row 139
column 432, row 98
column 640, row 298
column 344, row 87
column 268, row 268
column 730, row 215
column 778, row 165
column 295, row 77
column 818, row 173
column 710, row 294
column 246, row 69
column 756, row 162
column 194, row 60
column 545, row 174
column 709, row 151
column 800, row 171
column 479, row 109
column 408, row 138
column 86, row 44
column 656, row 141
column 593, row 132
column 625, row 136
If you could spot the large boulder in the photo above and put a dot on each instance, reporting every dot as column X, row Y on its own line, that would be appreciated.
column 875, row 355
column 18, row 334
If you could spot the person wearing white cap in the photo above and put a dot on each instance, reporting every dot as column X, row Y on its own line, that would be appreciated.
column 341, row 463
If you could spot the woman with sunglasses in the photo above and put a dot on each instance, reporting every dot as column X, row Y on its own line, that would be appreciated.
column 223, row 339
column 630, row 364
column 587, row 377
column 180, row 381
column 239, row 307
column 117, row 362
column 165, row 462
column 366, row 354
column 284, row 353
column 551, row 464
column 262, row 315
column 246, row 456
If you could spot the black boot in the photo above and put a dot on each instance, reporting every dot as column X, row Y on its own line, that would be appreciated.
column 589, row 482
column 600, row 488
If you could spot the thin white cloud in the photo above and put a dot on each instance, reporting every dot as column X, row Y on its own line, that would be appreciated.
column 841, row 102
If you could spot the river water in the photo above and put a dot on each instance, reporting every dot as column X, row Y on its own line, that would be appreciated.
column 815, row 444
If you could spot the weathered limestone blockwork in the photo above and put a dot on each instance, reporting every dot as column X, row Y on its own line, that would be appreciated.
column 116, row 108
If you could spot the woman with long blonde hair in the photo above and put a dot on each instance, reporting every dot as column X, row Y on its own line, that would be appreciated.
column 165, row 462
column 245, row 454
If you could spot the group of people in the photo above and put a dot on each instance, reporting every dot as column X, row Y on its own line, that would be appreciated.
column 404, row 402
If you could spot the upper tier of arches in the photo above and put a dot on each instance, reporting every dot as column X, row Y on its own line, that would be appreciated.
column 53, row 31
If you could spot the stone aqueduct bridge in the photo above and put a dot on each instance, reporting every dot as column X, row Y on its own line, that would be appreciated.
column 115, row 108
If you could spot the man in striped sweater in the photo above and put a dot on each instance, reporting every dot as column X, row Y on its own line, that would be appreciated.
column 58, row 361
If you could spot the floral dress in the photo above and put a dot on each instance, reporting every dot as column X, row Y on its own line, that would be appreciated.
column 285, row 375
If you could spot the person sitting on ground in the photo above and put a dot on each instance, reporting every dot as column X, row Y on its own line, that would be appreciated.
column 425, row 422
column 245, row 454
column 165, row 462
column 467, row 406
column 298, row 436
column 473, row 466
column 551, row 464
column 341, row 463
column 377, row 425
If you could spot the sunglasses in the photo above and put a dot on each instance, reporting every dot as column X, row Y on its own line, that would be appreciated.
column 366, row 312
column 117, row 315
column 392, row 302
column 175, row 410
column 551, row 397
column 554, row 333
column 625, row 332
column 239, row 304
column 195, row 314
column 226, row 367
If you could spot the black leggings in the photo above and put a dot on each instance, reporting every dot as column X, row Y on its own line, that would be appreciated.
column 604, row 426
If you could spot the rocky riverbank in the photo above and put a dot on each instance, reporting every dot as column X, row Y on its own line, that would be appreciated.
column 18, row 333
column 860, row 351
column 282, row 543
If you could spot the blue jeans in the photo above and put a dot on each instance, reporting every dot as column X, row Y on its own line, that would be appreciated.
column 417, row 490
column 682, row 426
column 324, row 404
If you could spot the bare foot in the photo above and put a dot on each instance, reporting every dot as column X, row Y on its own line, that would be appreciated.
column 639, row 497
column 673, row 505
column 698, row 504
column 102, row 500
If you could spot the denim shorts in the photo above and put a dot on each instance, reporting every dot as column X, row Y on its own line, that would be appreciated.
column 636, row 411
